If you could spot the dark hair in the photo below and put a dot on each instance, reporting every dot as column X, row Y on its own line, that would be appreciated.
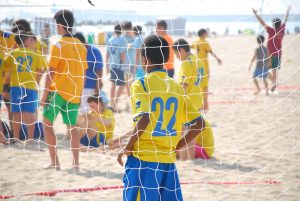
column 16, row 29
column 156, row 50
column 80, row 37
column 95, row 98
column 65, row 18
column 181, row 43
column 22, row 36
column 22, row 24
column 201, row 32
column 137, row 29
column 260, row 39
column 162, row 23
column 277, row 23
column 118, row 29
column 127, row 26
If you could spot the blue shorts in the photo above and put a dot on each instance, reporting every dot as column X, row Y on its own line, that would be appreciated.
column 95, row 142
column 117, row 76
column 23, row 100
column 150, row 181
column 260, row 72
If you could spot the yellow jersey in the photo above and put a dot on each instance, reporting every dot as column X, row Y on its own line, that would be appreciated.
column 203, row 48
column 168, row 107
column 206, row 139
column 192, row 73
column 68, row 58
column 39, row 49
column 23, row 65
column 7, row 42
column 107, row 131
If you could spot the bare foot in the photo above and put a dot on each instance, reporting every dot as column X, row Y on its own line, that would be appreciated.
column 257, row 92
column 52, row 166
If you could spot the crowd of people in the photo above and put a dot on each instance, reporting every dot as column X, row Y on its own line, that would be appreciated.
column 167, row 125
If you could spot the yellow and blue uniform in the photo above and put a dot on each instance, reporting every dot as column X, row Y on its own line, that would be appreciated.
column 192, row 74
column 203, row 48
column 153, row 158
column 104, row 132
column 7, row 42
column 23, row 65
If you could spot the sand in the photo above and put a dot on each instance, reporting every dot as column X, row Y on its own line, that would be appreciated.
column 256, row 141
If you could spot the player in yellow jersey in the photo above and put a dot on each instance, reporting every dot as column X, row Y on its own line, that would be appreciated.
column 191, row 77
column 24, row 68
column 98, row 125
column 64, row 86
column 203, row 49
column 160, row 108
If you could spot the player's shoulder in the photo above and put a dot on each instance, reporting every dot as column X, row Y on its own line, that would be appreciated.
column 140, row 84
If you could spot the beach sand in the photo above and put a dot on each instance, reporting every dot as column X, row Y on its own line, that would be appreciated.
column 257, row 139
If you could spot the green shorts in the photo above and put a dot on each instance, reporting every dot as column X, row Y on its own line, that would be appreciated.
column 276, row 61
column 55, row 104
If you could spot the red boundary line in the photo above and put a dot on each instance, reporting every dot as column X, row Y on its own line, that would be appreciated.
column 100, row 188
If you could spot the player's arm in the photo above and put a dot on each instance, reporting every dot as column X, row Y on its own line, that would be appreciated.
column 49, row 78
column 194, row 130
column 287, row 15
column 252, row 60
column 260, row 20
column 99, row 70
column 138, row 130
column 215, row 56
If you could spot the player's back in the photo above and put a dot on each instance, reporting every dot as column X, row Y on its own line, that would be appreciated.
column 160, row 96
column 68, row 57
column 23, row 64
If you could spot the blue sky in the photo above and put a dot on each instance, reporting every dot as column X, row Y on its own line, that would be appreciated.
column 166, row 7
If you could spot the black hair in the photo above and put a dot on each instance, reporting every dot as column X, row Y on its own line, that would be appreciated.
column 260, row 39
column 22, row 36
column 277, row 23
column 80, row 37
column 118, row 29
column 65, row 18
column 156, row 50
column 22, row 24
column 127, row 26
column 95, row 98
column 181, row 43
column 201, row 32
column 137, row 29
column 162, row 23
column 16, row 29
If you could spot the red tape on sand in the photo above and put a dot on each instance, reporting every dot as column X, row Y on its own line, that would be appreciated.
column 100, row 188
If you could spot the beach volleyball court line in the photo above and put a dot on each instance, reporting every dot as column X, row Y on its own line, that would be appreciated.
column 103, row 188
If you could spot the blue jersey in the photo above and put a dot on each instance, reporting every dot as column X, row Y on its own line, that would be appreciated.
column 115, row 47
column 137, row 44
column 130, row 52
column 95, row 64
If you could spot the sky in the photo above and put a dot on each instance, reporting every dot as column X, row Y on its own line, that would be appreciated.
column 9, row 8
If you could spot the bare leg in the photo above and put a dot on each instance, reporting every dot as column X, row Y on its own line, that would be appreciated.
column 2, row 137
column 119, row 93
column 75, row 144
column 113, row 95
column 266, row 86
column 257, row 86
column 29, row 119
column 51, row 141
column 16, row 125
column 274, row 80
column 205, row 99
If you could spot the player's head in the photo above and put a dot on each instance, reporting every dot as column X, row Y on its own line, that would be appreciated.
column 181, row 49
column 118, row 29
column 25, row 39
column 95, row 103
column 137, row 30
column 80, row 37
column 161, row 27
column 155, row 52
column 127, row 27
column 260, row 39
column 21, row 24
column 276, row 23
column 202, row 33
column 65, row 21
